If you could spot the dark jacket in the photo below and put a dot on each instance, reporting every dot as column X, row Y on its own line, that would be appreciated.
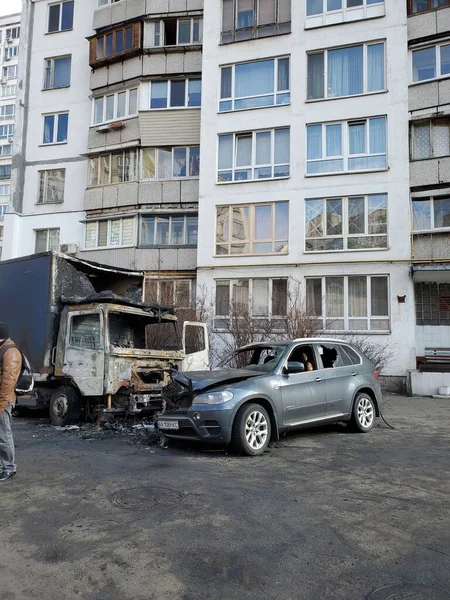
column 9, row 374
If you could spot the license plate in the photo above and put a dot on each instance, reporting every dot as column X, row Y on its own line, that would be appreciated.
column 168, row 425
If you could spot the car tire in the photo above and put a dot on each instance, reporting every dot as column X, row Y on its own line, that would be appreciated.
column 363, row 413
column 251, row 430
column 65, row 406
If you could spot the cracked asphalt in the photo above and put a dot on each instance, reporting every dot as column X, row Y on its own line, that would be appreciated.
column 324, row 515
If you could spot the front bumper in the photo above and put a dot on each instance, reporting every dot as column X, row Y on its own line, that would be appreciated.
column 202, row 423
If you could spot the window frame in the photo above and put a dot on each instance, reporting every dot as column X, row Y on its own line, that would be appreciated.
column 253, row 165
column 99, row 157
column 4, row 87
column 365, row 71
column 159, row 281
column 323, row 318
column 45, row 174
column 14, row 33
column 56, row 116
column 7, row 69
column 4, row 186
column 127, row 115
column 2, row 151
column 431, row 200
column 344, row 9
column 150, row 43
column 431, row 123
column 172, row 150
column 5, row 117
column 48, row 249
column 251, row 240
column 9, row 131
column 345, row 147
column 10, row 52
column 168, row 216
column 437, row 62
column 279, row 27
column 345, row 235
column 109, row 221
column 59, row 30
column 270, row 297
column 169, row 83
column 276, row 92
column 7, row 167
column 420, row 12
column 52, row 60
column 96, row 61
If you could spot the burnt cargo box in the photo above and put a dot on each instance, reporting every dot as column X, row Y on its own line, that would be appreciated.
column 31, row 289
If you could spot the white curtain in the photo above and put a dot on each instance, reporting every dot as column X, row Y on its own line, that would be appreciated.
column 314, row 141
column 357, row 296
column 315, row 76
column 379, row 296
column 260, row 298
column 377, row 133
column 345, row 71
column 254, row 79
column 334, row 140
column 357, row 138
column 375, row 67
column 335, row 296
column 61, row 72
column 422, row 141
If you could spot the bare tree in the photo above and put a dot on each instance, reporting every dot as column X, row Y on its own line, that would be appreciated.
column 380, row 354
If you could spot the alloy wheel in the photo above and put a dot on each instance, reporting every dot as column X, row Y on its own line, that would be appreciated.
column 365, row 412
column 256, row 430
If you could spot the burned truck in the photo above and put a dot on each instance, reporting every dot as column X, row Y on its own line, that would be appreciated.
column 95, row 347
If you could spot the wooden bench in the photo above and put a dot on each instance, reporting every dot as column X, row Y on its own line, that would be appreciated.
column 435, row 359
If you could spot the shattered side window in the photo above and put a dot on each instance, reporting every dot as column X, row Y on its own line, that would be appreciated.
column 85, row 331
column 163, row 336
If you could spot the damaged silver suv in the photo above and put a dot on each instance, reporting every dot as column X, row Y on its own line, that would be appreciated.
column 268, row 388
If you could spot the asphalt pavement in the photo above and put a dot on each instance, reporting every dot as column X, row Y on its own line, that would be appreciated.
column 324, row 515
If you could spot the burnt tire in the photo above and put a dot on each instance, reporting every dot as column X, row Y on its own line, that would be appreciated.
column 251, row 430
column 363, row 413
column 65, row 406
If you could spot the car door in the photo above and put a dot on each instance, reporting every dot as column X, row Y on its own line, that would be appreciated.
column 303, row 394
column 84, row 357
column 196, row 347
column 340, row 378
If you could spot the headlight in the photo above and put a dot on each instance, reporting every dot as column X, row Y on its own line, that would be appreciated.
column 214, row 398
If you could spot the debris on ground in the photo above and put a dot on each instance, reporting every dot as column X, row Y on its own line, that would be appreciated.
column 67, row 428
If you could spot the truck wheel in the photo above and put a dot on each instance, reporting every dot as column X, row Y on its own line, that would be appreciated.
column 65, row 406
column 251, row 430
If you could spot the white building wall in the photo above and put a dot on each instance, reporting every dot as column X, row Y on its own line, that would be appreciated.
column 394, row 181
column 33, row 156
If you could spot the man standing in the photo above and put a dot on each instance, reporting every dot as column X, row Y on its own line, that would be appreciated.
column 10, row 367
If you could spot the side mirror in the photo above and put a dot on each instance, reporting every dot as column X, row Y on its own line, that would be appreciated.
column 294, row 367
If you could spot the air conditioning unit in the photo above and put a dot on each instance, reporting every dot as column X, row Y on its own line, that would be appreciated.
column 8, row 40
column 103, row 128
column 69, row 248
column 2, row 81
column 7, row 58
column 10, row 140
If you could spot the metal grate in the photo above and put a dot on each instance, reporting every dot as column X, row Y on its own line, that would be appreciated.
column 432, row 303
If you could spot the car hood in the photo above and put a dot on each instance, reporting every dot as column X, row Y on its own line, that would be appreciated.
column 203, row 380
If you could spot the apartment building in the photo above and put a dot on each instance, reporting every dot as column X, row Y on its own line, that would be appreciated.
column 141, row 200
column 9, row 56
column 305, row 165
column 52, row 124
column 429, row 114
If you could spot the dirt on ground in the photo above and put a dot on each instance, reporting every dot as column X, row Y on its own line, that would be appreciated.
column 325, row 514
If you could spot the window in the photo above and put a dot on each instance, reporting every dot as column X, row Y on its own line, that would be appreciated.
column 8, row 90
column 353, row 303
column 114, row 42
column 116, row 167
column 57, row 72
column 430, row 139
column 418, row 6
column 1, row 237
column 6, row 150
column 10, row 52
column 255, row 298
column 347, row 146
column 47, row 240
column 13, row 33
column 7, row 111
column 318, row 7
column 115, row 106
column 431, row 213
column 60, row 17
column 354, row 223
column 111, row 233
column 51, row 186
column 255, row 84
column 254, row 155
column 432, row 302
column 3, row 209
column 85, row 331
column 5, row 190
column 9, row 72
column 171, row 292
column 346, row 71
column 169, row 230
column 247, row 19
column 170, row 163
column 252, row 229
column 174, row 32
column 55, row 128
column 175, row 93
column 5, row 172
column 431, row 63
column 104, row 2
column 6, row 132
